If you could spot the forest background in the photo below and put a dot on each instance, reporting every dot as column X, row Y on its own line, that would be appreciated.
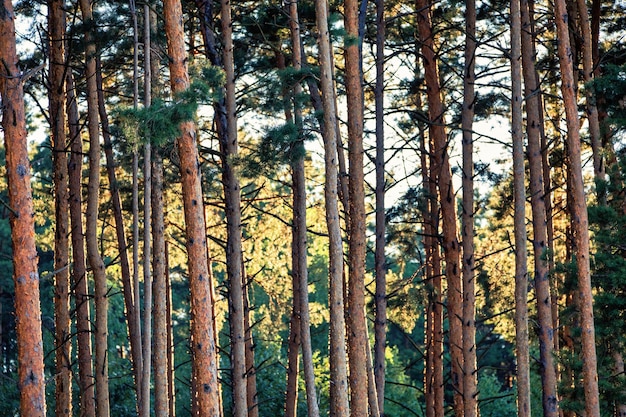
column 317, row 208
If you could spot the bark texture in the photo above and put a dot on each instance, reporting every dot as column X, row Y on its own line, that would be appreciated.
column 338, row 363
column 25, row 275
column 56, row 100
column 534, row 131
column 440, row 164
column 580, row 222
column 79, row 274
column 470, row 388
column 204, row 384
column 357, row 326
column 519, row 186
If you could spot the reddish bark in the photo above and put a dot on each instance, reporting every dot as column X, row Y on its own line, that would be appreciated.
column 25, row 275
column 204, row 383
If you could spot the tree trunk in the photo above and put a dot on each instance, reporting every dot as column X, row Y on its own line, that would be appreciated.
column 160, row 292
column 251, row 390
column 25, row 274
column 470, row 389
column 147, row 215
column 580, row 223
column 127, row 285
column 592, row 110
column 534, row 130
column 232, row 199
column 380, row 264
column 170, row 337
column 441, row 166
column 299, row 255
column 357, row 342
column 79, row 275
column 56, row 99
column 519, row 185
column 338, row 365
column 205, row 388
column 91, row 219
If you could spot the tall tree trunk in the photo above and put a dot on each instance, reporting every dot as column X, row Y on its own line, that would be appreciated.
column 357, row 331
column 299, row 254
column 338, row 364
column 251, row 390
column 440, row 164
column 380, row 264
column 534, row 128
column 147, row 215
column 25, row 274
column 91, row 219
column 118, row 215
column 232, row 197
column 205, row 388
column 170, row 337
column 519, row 185
column 56, row 99
column 470, row 389
column 160, row 340
column 135, row 209
column 79, row 274
column 592, row 109
column 580, row 223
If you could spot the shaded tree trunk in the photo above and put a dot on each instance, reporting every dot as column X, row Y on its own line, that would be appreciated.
column 357, row 326
column 91, row 219
column 161, row 292
column 232, row 200
column 580, row 223
column 440, row 164
column 79, row 274
column 147, row 216
column 519, row 186
column 56, row 100
column 299, row 230
column 380, row 264
column 338, row 364
column 251, row 391
column 25, row 274
column 127, row 284
column 204, row 386
column 170, row 338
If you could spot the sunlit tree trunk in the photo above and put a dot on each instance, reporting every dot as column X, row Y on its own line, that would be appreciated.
column 339, row 406
column 440, row 164
column 204, row 382
column 91, row 219
column 519, row 185
column 56, row 100
column 534, row 130
column 25, row 274
column 580, row 222
column 79, row 274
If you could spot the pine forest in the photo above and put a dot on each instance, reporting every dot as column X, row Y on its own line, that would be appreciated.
column 339, row 208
